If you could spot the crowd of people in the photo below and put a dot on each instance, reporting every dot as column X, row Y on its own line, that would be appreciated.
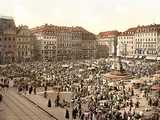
column 93, row 97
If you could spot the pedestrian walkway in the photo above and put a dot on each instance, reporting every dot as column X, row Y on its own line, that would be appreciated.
column 42, row 102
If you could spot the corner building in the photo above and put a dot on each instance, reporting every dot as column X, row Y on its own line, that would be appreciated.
column 147, row 41
column 7, row 40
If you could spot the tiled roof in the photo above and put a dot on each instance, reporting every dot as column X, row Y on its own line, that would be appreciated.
column 148, row 28
column 53, row 28
column 129, row 32
column 108, row 34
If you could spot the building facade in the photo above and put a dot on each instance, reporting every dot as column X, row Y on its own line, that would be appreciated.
column 7, row 40
column 88, row 46
column 108, row 39
column 140, row 42
column 147, row 41
column 126, row 43
column 71, row 42
column 24, row 42
column 102, row 49
column 46, row 46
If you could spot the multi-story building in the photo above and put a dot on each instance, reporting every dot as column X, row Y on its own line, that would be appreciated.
column 108, row 39
column 46, row 46
column 64, row 49
column 88, row 46
column 7, row 40
column 126, row 43
column 140, row 42
column 147, row 41
column 71, row 41
column 24, row 41
column 76, row 43
column 102, row 49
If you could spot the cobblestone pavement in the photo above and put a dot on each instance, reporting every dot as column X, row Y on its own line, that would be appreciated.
column 58, row 112
column 16, row 107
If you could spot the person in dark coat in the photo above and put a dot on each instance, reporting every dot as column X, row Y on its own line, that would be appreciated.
column 132, row 92
column 35, row 90
column 1, row 97
column 30, row 90
column 74, row 114
column 82, row 116
column 137, row 104
column 45, row 94
column 49, row 103
column 150, row 102
column 67, row 114
column 45, row 88
column 131, row 103
column 58, row 99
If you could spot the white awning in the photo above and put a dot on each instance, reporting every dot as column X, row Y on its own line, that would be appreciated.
column 151, row 58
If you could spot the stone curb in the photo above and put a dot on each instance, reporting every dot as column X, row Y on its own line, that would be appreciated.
column 40, row 107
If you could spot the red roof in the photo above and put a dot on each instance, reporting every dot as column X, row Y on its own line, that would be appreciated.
column 108, row 34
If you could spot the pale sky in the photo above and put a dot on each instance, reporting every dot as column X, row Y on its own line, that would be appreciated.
column 93, row 15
